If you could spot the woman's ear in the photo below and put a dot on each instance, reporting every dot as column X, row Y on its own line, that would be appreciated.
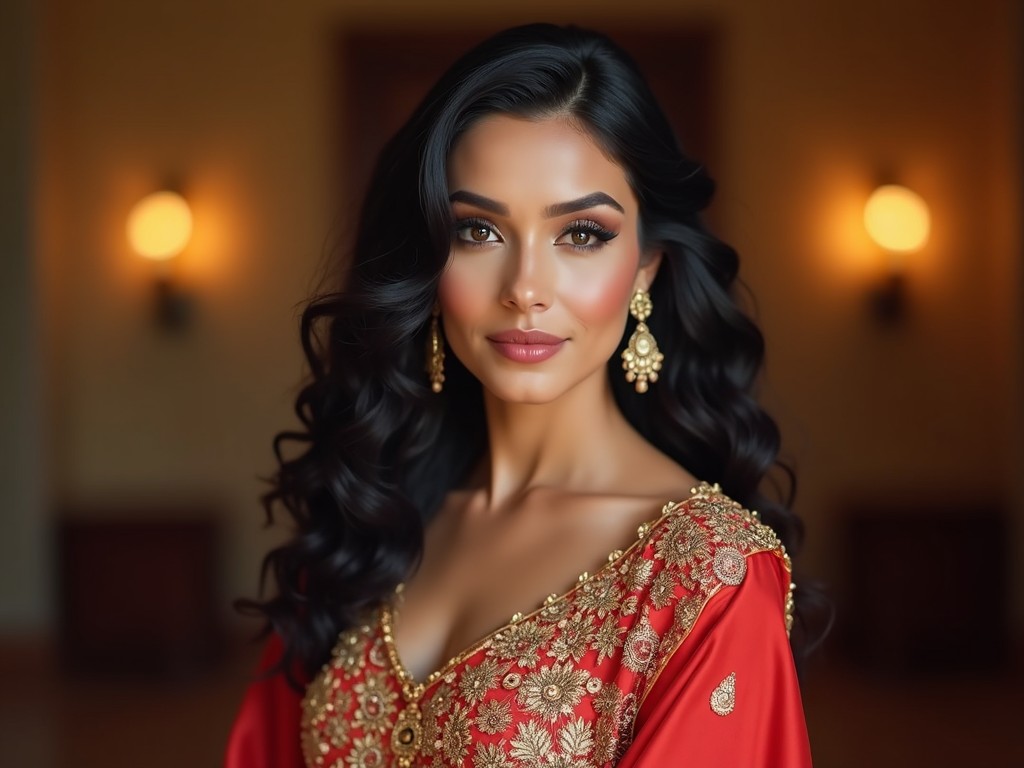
column 650, row 260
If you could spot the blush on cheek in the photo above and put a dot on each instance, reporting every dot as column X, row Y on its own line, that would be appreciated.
column 457, row 292
column 465, row 302
column 601, row 297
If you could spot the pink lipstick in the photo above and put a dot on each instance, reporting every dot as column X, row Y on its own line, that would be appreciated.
column 526, row 346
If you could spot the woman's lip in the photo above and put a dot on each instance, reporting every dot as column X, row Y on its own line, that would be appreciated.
column 516, row 336
column 526, row 353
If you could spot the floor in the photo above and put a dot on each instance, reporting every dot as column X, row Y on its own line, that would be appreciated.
column 855, row 719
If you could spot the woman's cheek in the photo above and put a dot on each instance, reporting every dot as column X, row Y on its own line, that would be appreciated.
column 461, row 291
column 600, row 295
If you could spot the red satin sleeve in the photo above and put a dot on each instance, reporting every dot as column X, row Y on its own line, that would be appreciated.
column 741, row 632
column 266, row 730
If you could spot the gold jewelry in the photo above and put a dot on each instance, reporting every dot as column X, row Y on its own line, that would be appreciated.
column 435, row 352
column 641, row 359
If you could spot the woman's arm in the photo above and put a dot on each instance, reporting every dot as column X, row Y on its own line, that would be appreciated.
column 266, row 731
column 729, row 696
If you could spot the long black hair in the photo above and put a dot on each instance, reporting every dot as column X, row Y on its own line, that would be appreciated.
column 378, row 450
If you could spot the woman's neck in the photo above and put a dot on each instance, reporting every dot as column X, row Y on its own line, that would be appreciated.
column 573, row 443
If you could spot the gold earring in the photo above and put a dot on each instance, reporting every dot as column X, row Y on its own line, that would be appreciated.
column 641, row 359
column 435, row 352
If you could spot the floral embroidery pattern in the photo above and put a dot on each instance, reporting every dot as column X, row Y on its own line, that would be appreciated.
column 558, row 688
column 553, row 691
column 494, row 716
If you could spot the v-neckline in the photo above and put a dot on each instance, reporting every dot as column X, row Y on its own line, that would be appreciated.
column 414, row 689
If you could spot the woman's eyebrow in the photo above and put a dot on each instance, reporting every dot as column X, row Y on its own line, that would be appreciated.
column 471, row 198
column 592, row 200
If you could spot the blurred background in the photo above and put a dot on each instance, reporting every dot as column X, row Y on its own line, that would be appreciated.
column 138, row 399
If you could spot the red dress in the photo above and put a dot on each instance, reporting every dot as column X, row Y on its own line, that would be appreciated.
column 675, row 652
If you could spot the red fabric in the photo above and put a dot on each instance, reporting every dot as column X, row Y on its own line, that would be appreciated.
column 741, row 631
column 266, row 730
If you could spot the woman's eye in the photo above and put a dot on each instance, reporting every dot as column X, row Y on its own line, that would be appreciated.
column 580, row 237
column 476, row 233
column 586, row 235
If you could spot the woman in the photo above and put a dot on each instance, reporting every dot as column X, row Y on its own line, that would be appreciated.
column 485, row 424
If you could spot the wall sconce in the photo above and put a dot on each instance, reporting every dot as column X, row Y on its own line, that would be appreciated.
column 898, row 220
column 159, row 229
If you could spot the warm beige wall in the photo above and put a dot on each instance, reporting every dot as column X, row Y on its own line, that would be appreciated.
column 235, row 100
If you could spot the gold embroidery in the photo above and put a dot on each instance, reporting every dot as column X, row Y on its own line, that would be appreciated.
column 407, row 735
column 348, row 653
column 522, row 642
column 511, row 681
column 494, row 716
column 552, row 691
column 641, row 646
column 532, row 743
column 374, row 702
column 478, row 679
column 607, row 703
column 627, row 717
column 790, row 605
column 730, row 566
column 723, row 698
column 630, row 605
column 601, row 595
column 574, row 636
column 607, row 639
column 684, row 542
column 678, row 563
column 663, row 588
column 638, row 573
column 491, row 756
column 366, row 752
column 576, row 739
column 455, row 738
column 377, row 656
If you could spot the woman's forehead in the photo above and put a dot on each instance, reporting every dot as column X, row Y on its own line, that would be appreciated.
column 548, row 160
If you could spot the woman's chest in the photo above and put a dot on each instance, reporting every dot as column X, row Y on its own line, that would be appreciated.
column 560, row 687
column 476, row 574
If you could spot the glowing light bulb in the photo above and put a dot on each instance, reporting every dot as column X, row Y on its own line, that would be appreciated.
column 897, row 219
column 160, row 226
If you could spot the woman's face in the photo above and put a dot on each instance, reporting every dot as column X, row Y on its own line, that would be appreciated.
column 544, row 259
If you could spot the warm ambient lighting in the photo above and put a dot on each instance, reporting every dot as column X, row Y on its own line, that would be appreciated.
column 897, row 219
column 160, row 226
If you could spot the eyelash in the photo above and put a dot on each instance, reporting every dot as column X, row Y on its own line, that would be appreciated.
column 602, row 234
column 588, row 226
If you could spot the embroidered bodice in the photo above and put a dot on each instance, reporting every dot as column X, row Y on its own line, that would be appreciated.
column 560, row 686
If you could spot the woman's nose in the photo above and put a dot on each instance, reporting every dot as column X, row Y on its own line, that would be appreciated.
column 529, row 280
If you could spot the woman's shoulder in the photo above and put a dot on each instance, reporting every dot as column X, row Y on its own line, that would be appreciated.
column 708, row 522
column 702, row 545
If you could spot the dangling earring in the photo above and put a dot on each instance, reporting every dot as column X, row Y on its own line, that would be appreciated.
column 641, row 359
column 435, row 352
